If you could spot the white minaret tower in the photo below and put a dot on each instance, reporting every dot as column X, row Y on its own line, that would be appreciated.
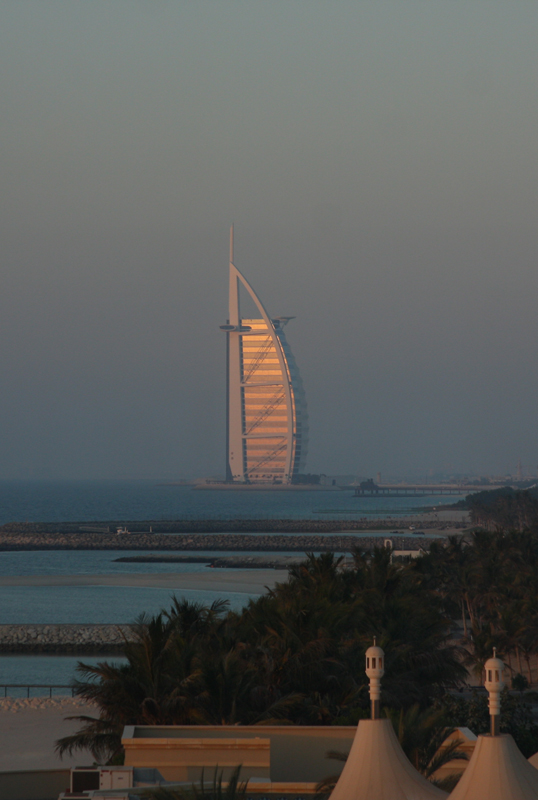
column 497, row 769
column 375, row 669
column 377, row 768
column 494, row 684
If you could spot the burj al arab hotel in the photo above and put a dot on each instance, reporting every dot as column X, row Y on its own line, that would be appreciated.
column 267, row 422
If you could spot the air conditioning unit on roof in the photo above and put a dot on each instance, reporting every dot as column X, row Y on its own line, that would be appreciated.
column 90, row 779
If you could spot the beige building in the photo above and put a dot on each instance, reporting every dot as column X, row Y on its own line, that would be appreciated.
column 271, row 753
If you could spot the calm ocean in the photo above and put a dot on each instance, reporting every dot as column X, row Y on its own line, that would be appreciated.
column 84, row 501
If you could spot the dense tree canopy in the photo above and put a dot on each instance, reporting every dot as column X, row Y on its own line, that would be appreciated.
column 295, row 655
column 504, row 509
column 490, row 581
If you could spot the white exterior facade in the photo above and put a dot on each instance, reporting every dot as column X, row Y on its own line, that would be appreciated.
column 267, row 422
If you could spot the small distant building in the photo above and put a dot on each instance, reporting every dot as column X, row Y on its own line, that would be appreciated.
column 388, row 544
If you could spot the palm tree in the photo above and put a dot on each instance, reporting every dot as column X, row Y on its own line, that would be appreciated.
column 189, row 619
column 421, row 735
column 294, row 655
column 157, row 686
column 512, row 628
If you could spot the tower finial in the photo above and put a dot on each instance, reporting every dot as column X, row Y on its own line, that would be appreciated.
column 375, row 670
column 232, row 244
column 494, row 684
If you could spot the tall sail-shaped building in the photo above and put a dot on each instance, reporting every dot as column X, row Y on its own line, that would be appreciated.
column 267, row 422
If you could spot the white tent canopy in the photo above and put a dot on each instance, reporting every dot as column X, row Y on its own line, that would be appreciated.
column 497, row 771
column 378, row 769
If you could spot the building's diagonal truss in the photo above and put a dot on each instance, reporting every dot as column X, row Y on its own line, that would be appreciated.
column 267, row 410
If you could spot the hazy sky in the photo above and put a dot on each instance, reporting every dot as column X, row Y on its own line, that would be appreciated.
column 380, row 163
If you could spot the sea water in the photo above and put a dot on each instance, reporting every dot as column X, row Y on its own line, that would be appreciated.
column 102, row 604
column 98, row 604
column 85, row 501
column 93, row 501
column 47, row 670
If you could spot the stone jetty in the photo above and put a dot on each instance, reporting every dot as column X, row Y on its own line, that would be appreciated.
column 219, row 562
column 260, row 542
column 274, row 535
column 201, row 526
column 77, row 639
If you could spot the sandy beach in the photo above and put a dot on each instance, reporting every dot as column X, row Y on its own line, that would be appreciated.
column 247, row 581
column 30, row 728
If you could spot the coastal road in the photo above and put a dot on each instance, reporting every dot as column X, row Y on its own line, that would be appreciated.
column 247, row 581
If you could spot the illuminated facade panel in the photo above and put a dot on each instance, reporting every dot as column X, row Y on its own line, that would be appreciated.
column 267, row 421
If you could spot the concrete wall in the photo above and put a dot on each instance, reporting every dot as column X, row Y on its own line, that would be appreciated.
column 292, row 753
column 44, row 784
column 184, row 759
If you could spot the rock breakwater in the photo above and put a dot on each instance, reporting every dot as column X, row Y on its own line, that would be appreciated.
column 65, row 703
column 83, row 639
column 263, row 542
column 222, row 562
column 311, row 526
